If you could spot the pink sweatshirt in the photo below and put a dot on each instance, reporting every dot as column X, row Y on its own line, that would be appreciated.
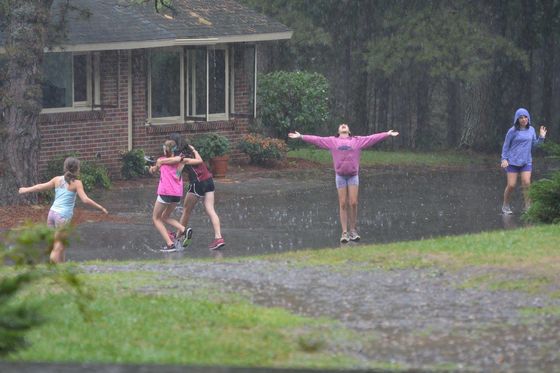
column 345, row 151
column 170, row 182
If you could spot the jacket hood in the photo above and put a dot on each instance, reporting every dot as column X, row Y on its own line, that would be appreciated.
column 521, row 112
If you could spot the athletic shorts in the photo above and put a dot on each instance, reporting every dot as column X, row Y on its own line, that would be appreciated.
column 168, row 199
column 55, row 220
column 344, row 181
column 200, row 188
column 517, row 169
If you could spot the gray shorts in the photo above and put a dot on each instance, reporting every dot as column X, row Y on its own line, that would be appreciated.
column 344, row 181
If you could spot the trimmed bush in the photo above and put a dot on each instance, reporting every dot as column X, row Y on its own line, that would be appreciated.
column 133, row 164
column 210, row 145
column 545, row 200
column 263, row 150
column 292, row 101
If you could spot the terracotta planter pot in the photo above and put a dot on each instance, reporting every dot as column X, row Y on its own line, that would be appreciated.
column 219, row 166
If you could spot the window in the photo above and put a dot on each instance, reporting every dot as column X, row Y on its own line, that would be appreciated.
column 165, row 83
column 68, row 81
column 196, row 82
column 188, row 84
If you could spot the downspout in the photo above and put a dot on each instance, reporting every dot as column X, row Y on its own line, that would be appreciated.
column 129, row 100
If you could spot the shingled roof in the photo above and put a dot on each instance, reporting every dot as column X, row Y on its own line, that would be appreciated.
column 118, row 24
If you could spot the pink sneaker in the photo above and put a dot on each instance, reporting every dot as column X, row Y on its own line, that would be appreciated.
column 216, row 244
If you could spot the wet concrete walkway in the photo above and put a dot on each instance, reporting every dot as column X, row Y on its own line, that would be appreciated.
column 291, row 210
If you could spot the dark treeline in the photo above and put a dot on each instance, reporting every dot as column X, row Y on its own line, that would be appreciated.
column 446, row 74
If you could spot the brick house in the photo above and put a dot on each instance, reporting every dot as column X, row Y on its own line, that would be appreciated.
column 127, row 76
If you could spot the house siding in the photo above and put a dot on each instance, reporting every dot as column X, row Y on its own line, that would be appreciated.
column 101, row 135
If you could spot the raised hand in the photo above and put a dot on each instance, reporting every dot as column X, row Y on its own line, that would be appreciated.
column 294, row 135
column 392, row 133
column 542, row 131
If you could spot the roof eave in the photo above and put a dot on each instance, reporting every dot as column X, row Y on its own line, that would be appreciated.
column 91, row 47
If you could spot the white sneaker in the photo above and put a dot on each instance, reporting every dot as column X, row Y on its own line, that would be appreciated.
column 506, row 210
column 344, row 238
column 354, row 236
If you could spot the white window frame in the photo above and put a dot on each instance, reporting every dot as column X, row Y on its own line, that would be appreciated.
column 92, row 79
column 181, row 116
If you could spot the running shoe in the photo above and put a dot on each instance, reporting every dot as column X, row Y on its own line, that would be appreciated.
column 216, row 244
column 344, row 238
column 186, row 237
column 506, row 210
column 354, row 236
column 169, row 248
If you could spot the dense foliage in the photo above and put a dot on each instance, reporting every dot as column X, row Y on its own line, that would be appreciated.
column 289, row 101
column 133, row 164
column 263, row 150
column 25, row 249
column 445, row 74
column 210, row 145
column 545, row 197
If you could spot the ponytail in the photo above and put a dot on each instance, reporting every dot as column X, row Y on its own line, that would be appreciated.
column 71, row 169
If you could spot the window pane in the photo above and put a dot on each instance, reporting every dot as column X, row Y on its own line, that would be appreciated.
column 217, row 77
column 166, row 84
column 57, row 80
column 197, row 81
column 80, row 78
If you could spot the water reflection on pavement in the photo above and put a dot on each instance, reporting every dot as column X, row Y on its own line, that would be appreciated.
column 262, row 215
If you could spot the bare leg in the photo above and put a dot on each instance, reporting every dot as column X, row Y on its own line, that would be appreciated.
column 343, row 208
column 188, row 206
column 57, row 253
column 173, row 222
column 157, row 218
column 510, row 187
column 353, row 206
column 525, row 183
column 214, row 219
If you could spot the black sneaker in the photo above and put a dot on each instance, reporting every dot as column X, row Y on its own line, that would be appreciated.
column 169, row 249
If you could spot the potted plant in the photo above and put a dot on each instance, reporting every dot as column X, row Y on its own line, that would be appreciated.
column 214, row 147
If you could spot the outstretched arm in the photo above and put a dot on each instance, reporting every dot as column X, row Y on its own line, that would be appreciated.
column 39, row 187
column 321, row 142
column 365, row 141
column 85, row 199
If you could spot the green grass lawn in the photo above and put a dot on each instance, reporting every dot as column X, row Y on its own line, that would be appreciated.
column 144, row 317
column 401, row 158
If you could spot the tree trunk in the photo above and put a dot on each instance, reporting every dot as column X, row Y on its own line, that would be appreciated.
column 453, row 117
column 25, row 34
column 472, row 114
column 548, row 60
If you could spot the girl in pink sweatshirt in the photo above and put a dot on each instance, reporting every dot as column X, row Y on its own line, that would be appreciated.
column 346, row 150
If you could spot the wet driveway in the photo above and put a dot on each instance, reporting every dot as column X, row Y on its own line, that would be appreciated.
column 291, row 210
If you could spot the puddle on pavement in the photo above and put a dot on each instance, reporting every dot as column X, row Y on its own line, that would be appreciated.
column 270, row 215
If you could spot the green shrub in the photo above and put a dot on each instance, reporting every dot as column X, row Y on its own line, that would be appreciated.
column 545, row 197
column 551, row 148
column 210, row 145
column 292, row 101
column 263, row 150
column 24, row 248
column 133, row 164
column 92, row 175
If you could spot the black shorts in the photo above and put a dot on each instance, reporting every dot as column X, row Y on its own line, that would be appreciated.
column 200, row 188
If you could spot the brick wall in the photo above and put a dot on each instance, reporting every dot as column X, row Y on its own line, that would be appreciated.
column 102, row 134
